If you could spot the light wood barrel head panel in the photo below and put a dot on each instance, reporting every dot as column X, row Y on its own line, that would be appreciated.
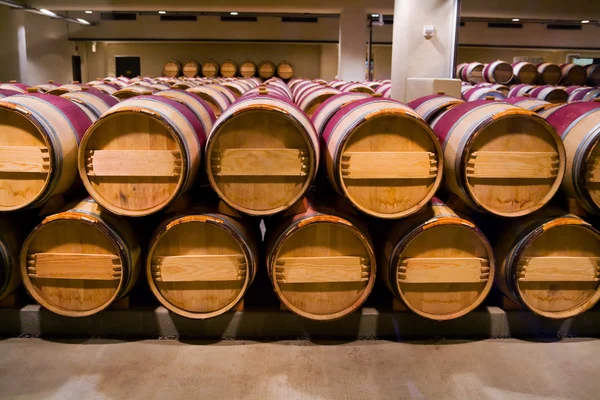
column 25, row 161
column 71, row 267
column 514, row 165
column 198, row 269
column 133, row 165
column 260, row 162
column 389, row 166
column 445, row 271
column 557, row 275
column 323, row 271
column 592, row 175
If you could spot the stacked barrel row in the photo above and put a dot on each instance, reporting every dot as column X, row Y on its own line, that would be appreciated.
column 229, row 69
column 384, row 161
column 504, row 73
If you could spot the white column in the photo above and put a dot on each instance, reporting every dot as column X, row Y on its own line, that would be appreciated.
column 13, row 49
column 414, row 56
column 353, row 44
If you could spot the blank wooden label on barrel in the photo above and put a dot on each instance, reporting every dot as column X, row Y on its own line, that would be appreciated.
column 324, row 269
column 200, row 266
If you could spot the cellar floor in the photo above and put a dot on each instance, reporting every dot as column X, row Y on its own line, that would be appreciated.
column 368, row 369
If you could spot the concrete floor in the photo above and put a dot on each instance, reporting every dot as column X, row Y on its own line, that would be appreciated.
column 365, row 370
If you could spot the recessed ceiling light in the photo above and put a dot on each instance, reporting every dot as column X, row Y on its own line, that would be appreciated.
column 516, row 19
column 162, row 12
column 585, row 21
column 89, row 12
column 375, row 15
column 83, row 21
column 234, row 13
column 47, row 12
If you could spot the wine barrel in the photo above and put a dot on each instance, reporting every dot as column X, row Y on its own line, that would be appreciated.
column 78, row 262
column 141, row 155
column 13, row 85
column 472, row 73
column 520, row 90
column 552, row 94
column 545, row 113
column 382, row 157
column 593, row 74
column 459, row 69
column 5, row 93
column 10, row 244
column 133, row 91
column 432, row 106
column 357, row 87
column 525, row 72
column 228, row 69
column 312, row 99
column 549, row 74
column 501, row 88
column 573, row 74
column 482, row 93
column 383, row 88
column 225, row 91
column 529, row 103
column 38, row 148
column 500, row 158
column 465, row 88
column 92, row 102
column 201, row 264
column 498, row 72
column 210, row 69
column 248, row 69
column 438, row 264
column 322, row 264
column 256, row 168
column 191, row 68
column 45, row 87
column 285, row 70
column 584, row 94
column 266, row 69
column 577, row 124
column 68, row 88
column 302, row 88
column 237, row 88
column 159, row 87
column 107, row 88
column 213, row 97
column 172, row 69
column 199, row 107
column 329, row 107
column 549, row 264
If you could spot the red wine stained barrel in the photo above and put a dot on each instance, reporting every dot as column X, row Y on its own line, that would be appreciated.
column 584, row 94
column 5, row 93
column 593, row 74
column 39, row 135
column 199, row 107
column 215, row 98
column 141, row 155
column 577, row 124
column 552, row 94
column 94, row 103
column 573, row 74
column 329, row 107
column 529, row 103
column 520, row 90
column 500, row 158
column 432, row 106
column 482, row 93
column 549, row 74
column 472, row 73
column 525, row 72
column 498, row 72
column 312, row 99
column 382, row 157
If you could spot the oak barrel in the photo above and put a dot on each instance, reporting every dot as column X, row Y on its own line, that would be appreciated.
column 172, row 68
column 322, row 264
column 248, row 69
column 472, row 73
column 225, row 91
column 525, row 72
column 107, row 88
column 267, row 69
column 552, row 94
column 285, row 70
column 584, row 94
column 141, row 155
column 228, row 69
column 78, row 262
column 95, row 103
column 195, row 103
column 312, row 99
column 17, row 87
column 521, row 90
column 5, row 93
column 439, row 264
column 432, row 106
column 200, row 264
column 262, row 155
column 210, row 69
column 573, row 74
column 217, row 101
column 529, row 103
column 329, row 107
column 133, row 91
column 39, row 135
column 578, row 124
column 498, row 72
column 10, row 245
column 500, row 158
column 191, row 68
column 482, row 93
column 382, row 157
column 548, row 263
column 593, row 74
column 549, row 74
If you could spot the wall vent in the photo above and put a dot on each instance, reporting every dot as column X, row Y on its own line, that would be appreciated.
column 239, row 19
column 504, row 25
column 566, row 27
column 116, row 16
